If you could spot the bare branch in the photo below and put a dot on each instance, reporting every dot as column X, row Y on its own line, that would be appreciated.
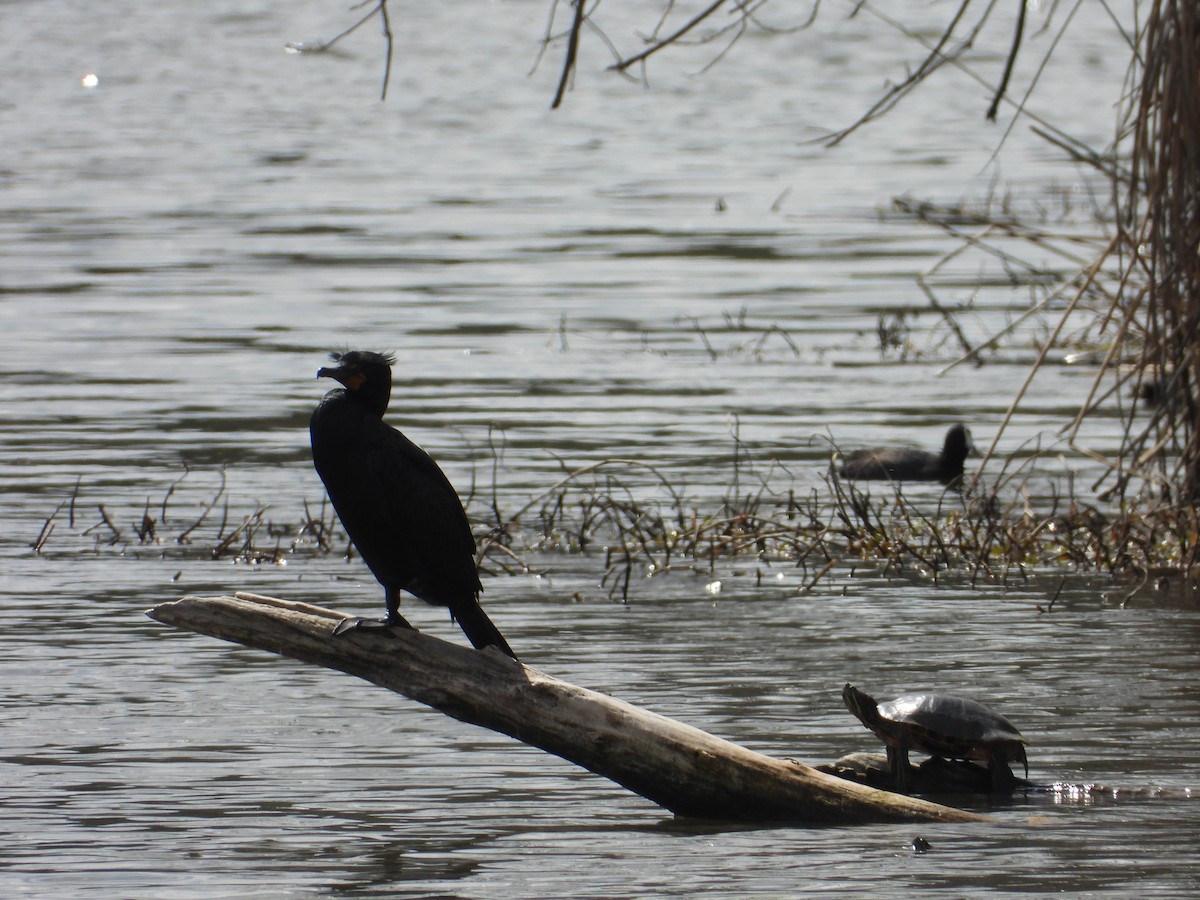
column 572, row 52
column 1018, row 33
column 670, row 39
column 380, row 9
column 385, row 21
column 934, row 60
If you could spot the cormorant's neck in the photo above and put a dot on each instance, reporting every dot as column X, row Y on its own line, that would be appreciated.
column 375, row 398
column 374, row 402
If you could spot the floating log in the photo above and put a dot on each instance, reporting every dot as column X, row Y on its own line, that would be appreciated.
column 681, row 768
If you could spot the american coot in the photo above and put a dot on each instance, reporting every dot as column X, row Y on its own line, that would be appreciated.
column 898, row 464
column 398, row 507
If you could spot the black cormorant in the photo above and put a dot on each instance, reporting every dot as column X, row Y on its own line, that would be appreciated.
column 899, row 464
column 398, row 507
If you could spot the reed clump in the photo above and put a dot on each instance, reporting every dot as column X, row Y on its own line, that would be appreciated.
column 644, row 526
column 192, row 523
column 1154, row 322
column 841, row 524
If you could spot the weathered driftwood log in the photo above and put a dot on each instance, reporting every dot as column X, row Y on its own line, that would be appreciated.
column 677, row 766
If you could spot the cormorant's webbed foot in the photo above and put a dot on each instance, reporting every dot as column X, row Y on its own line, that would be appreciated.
column 353, row 623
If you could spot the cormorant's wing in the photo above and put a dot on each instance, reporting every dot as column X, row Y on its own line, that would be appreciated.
column 402, row 514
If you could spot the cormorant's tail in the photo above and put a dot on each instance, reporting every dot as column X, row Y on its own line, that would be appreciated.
column 479, row 628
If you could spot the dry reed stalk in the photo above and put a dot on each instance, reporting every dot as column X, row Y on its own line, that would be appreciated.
column 1155, row 314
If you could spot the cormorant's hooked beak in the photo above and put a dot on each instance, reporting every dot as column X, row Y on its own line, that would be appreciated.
column 349, row 379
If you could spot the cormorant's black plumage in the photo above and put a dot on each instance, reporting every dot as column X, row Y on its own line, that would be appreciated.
column 400, row 510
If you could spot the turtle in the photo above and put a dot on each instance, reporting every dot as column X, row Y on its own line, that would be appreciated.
column 941, row 725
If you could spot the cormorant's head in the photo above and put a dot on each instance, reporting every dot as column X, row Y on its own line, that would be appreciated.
column 364, row 374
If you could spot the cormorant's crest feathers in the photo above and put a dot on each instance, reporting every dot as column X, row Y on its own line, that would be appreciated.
column 362, row 357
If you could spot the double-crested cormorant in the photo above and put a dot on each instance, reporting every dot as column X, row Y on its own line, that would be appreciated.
column 398, row 507
column 899, row 464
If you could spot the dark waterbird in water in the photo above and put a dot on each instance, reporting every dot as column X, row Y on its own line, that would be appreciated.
column 900, row 464
column 398, row 507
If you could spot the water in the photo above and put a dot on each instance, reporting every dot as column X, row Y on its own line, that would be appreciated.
column 184, row 242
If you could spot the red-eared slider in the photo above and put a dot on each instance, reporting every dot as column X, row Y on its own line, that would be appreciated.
column 901, row 464
column 941, row 725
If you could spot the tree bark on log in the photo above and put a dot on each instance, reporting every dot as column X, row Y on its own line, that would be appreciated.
column 681, row 768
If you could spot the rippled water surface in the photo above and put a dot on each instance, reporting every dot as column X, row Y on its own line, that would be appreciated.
column 666, row 273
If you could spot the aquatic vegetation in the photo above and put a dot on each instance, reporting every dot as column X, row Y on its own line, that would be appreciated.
column 645, row 526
